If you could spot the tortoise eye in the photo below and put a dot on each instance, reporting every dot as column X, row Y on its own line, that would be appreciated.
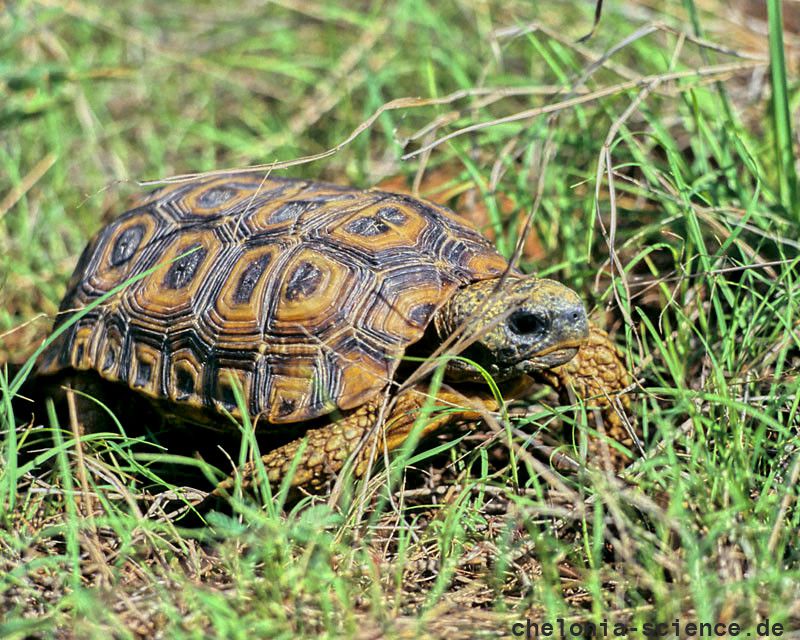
column 528, row 323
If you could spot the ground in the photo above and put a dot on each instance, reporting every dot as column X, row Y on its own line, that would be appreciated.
column 652, row 167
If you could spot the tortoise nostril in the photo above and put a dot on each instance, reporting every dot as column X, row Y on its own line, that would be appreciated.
column 526, row 323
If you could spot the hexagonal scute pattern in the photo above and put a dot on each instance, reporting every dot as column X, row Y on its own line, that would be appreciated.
column 301, row 295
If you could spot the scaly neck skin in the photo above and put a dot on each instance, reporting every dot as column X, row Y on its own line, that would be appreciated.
column 521, row 325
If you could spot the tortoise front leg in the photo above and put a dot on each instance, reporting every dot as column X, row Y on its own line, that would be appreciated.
column 598, row 374
column 328, row 448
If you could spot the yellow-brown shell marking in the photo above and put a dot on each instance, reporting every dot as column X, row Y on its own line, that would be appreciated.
column 305, row 294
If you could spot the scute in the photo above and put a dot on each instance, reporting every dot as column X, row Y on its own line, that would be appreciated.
column 303, row 295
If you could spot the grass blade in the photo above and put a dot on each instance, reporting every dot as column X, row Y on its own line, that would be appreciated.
column 781, row 114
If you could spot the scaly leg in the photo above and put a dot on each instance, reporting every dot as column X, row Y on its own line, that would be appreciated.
column 328, row 448
column 597, row 374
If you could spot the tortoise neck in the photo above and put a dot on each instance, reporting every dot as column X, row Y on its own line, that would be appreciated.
column 467, row 315
column 472, row 306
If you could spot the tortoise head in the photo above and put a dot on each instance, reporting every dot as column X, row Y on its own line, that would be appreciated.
column 522, row 325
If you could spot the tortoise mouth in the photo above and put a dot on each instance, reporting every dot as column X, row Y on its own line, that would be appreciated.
column 459, row 370
column 553, row 357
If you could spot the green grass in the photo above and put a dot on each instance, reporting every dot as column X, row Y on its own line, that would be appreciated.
column 670, row 204
column 782, row 113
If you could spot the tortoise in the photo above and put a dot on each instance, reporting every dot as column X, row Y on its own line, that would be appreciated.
column 296, row 301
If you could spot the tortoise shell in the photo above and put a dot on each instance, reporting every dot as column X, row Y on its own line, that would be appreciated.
column 305, row 294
